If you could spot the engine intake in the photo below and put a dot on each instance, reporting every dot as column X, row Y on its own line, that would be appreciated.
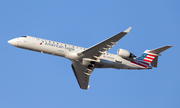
column 125, row 54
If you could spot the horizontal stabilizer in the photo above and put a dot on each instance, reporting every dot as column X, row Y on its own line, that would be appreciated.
column 161, row 49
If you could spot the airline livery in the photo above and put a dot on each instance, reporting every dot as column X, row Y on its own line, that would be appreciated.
column 85, row 60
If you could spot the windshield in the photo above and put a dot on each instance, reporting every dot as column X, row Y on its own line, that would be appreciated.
column 24, row 36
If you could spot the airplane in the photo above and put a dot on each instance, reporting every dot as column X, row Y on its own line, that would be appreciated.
column 85, row 60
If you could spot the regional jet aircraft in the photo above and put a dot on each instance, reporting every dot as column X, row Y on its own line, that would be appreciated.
column 85, row 60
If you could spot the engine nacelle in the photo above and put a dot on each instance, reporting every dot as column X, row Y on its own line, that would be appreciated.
column 125, row 54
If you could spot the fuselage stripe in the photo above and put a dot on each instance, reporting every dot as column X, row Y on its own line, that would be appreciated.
column 139, row 64
column 145, row 63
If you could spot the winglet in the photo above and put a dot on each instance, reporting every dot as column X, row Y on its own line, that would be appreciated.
column 88, row 86
column 127, row 30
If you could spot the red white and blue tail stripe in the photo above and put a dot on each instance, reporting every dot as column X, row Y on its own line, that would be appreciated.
column 140, row 63
column 150, row 57
column 144, row 60
column 146, row 57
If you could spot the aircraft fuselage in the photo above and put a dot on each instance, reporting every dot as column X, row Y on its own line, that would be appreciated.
column 70, row 52
column 85, row 60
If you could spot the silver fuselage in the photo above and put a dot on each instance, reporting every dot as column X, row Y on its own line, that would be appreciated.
column 70, row 52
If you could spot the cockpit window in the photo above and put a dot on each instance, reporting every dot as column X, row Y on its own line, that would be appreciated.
column 24, row 36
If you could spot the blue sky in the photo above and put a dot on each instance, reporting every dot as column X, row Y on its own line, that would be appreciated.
column 30, row 79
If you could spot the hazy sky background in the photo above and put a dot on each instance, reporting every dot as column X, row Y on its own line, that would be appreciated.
column 34, row 80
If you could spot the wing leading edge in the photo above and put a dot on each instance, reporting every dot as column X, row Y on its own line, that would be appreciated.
column 97, row 50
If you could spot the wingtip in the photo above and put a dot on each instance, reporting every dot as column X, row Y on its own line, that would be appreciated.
column 169, row 45
column 88, row 86
column 127, row 30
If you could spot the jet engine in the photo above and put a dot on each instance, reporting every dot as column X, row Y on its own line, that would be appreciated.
column 125, row 54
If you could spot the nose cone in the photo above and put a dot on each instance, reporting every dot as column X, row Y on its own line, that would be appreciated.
column 13, row 42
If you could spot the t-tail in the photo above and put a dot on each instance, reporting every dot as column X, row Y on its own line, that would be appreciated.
column 151, row 56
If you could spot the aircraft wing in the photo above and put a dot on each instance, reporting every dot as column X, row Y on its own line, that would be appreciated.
column 82, row 74
column 97, row 50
